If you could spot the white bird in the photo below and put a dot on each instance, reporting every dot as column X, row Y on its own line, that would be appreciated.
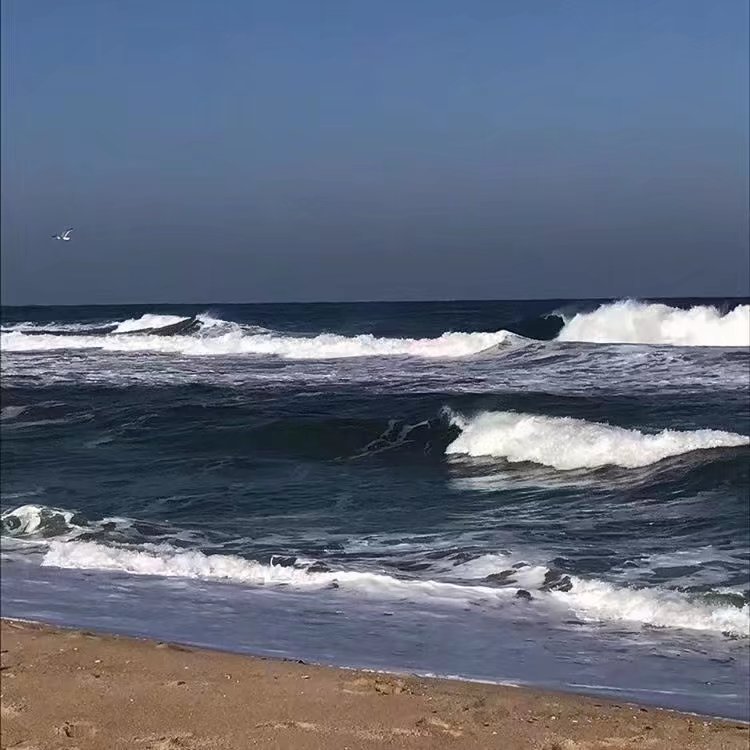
column 65, row 236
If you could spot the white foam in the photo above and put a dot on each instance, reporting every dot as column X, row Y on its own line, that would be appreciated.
column 590, row 600
column 53, row 327
column 28, row 520
column 567, row 443
column 208, row 321
column 632, row 322
column 483, row 565
column 37, row 523
column 165, row 560
column 526, row 576
column 146, row 321
column 599, row 601
column 323, row 346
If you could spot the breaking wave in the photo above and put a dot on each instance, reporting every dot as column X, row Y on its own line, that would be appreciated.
column 34, row 523
column 238, row 340
column 593, row 601
column 147, row 321
column 632, row 322
column 566, row 443
column 489, row 579
column 626, row 321
column 28, row 520
column 58, row 329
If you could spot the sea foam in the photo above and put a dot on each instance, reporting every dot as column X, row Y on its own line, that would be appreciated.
column 239, row 341
column 149, row 320
column 567, row 443
column 632, row 322
column 54, row 531
column 594, row 601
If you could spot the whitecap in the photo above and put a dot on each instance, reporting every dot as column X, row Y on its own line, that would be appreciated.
column 633, row 322
column 566, row 443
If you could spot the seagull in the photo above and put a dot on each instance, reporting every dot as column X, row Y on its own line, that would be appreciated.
column 65, row 236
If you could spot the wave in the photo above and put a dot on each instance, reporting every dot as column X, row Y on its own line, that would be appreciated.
column 148, row 321
column 58, row 329
column 625, row 321
column 241, row 341
column 566, row 443
column 597, row 601
column 64, row 539
column 593, row 601
column 633, row 322
column 28, row 520
column 40, row 522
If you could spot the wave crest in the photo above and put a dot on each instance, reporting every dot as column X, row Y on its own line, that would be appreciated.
column 241, row 341
column 566, row 443
column 632, row 322
column 148, row 320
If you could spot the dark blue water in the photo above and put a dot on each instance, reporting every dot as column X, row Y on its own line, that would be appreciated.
column 546, row 492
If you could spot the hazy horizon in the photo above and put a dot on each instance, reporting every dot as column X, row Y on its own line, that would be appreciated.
column 708, row 300
column 245, row 152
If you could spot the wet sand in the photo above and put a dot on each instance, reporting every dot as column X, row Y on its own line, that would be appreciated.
column 66, row 689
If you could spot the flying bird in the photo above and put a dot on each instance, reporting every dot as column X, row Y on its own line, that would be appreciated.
column 65, row 236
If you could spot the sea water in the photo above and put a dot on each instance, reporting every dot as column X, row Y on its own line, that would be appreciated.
column 551, row 493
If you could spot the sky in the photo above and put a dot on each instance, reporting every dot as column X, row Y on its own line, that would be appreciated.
column 295, row 150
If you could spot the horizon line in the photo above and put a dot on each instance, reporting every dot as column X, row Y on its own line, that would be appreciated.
column 393, row 302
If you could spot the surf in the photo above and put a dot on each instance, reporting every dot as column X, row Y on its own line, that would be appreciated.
column 567, row 443
column 228, row 339
column 62, row 539
column 593, row 601
column 633, row 322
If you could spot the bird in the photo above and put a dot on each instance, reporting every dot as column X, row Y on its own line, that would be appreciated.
column 65, row 236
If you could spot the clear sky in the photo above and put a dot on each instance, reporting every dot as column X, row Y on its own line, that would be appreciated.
column 238, row 150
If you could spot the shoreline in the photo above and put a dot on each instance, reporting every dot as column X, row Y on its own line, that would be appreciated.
column 131, row 692
column 384, row 672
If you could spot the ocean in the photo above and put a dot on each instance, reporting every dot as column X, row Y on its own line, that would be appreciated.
column 547, row 493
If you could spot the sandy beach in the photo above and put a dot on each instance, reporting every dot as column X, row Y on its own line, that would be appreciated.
column 73, row 689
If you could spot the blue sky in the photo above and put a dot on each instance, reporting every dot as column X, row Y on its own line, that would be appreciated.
column 278, row 150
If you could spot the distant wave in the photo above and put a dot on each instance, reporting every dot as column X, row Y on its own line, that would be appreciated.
column 147, row 321
column 60, row 329
column 632, row 322
column 218, row 337
column 625, row 321
column 565, row 443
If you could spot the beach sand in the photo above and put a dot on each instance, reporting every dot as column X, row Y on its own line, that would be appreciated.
column 66, row 689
